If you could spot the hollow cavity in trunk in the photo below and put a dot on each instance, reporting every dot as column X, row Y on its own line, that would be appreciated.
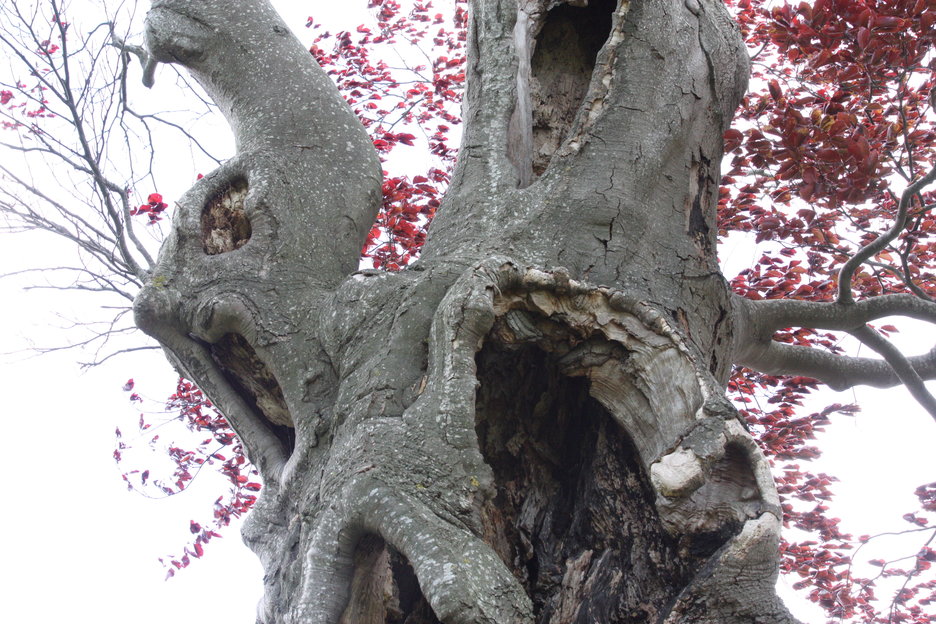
column 573, row 516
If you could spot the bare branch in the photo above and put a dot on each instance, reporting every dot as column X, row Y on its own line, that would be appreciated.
column 900, row 364
column 763, row 318
column 837, row 371
column 58, row 79
column 99, row 361
column 877, row 245
column 147, row 62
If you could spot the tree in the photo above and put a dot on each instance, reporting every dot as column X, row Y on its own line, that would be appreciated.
column 529, row 423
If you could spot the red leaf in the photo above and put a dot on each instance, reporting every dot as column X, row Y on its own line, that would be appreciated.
column 775, row 91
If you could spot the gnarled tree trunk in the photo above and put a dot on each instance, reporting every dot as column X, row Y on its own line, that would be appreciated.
column 528, row 424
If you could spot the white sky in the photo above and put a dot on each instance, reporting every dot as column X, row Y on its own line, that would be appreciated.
column 79, row 546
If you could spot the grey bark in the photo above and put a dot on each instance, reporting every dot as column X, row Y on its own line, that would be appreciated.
column 528, row 424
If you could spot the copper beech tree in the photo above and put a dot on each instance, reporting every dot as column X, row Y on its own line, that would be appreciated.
column 529, row 423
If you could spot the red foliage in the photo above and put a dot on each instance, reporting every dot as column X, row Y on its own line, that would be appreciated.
column 213, row 444
column 419, row 94
column 153, row 208
column 834, row 127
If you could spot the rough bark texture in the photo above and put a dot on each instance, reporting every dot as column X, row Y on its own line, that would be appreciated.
column 528, row 424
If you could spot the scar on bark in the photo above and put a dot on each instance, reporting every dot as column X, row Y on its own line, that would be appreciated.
column 564, row 57
column 699, row 188
column 384, row 589
column 731, row 479
column 253, row 381
column 224, row 223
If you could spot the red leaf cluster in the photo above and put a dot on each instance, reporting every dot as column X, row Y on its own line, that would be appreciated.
column 190, row 407
column 153, row 208
column 418, row 95
column 835, row 124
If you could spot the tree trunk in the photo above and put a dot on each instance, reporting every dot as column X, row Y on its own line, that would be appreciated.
column 528, row 424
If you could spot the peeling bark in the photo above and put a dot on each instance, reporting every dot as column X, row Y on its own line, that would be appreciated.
column 528, row 424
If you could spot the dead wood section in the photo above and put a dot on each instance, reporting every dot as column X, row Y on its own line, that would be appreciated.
column 224, row 223
column 573, row 516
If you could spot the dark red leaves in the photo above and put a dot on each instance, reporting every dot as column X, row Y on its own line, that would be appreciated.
column 837, row 114
column 733, row 139
column 775, row 91
column 198, row 415
column 401, row 104
column 153, row 208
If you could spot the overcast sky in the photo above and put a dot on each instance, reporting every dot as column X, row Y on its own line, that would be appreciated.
column 79, row 546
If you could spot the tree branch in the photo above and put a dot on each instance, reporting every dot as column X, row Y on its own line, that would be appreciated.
column 147, row 62
column 877, row 245
column 763, row 318
column 757, row 321
column 900, row 364
column 837, row 371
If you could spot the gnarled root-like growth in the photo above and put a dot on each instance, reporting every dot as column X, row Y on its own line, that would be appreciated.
column 563, row 457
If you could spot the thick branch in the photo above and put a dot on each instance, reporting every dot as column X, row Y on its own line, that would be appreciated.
column 763, row 318
column 758, row 320
column 838, row 372
column 900, row 364
column 281, row 106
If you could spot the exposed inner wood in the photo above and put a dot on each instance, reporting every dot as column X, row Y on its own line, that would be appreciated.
column 722, row 503
column 384, row 588
column 256, row 385
column 556, row 517
column 700, row 185
column 224, row 223
column 563, row 61
column 574, row 515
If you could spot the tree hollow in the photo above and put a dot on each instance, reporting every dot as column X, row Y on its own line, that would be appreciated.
column 573, row 516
